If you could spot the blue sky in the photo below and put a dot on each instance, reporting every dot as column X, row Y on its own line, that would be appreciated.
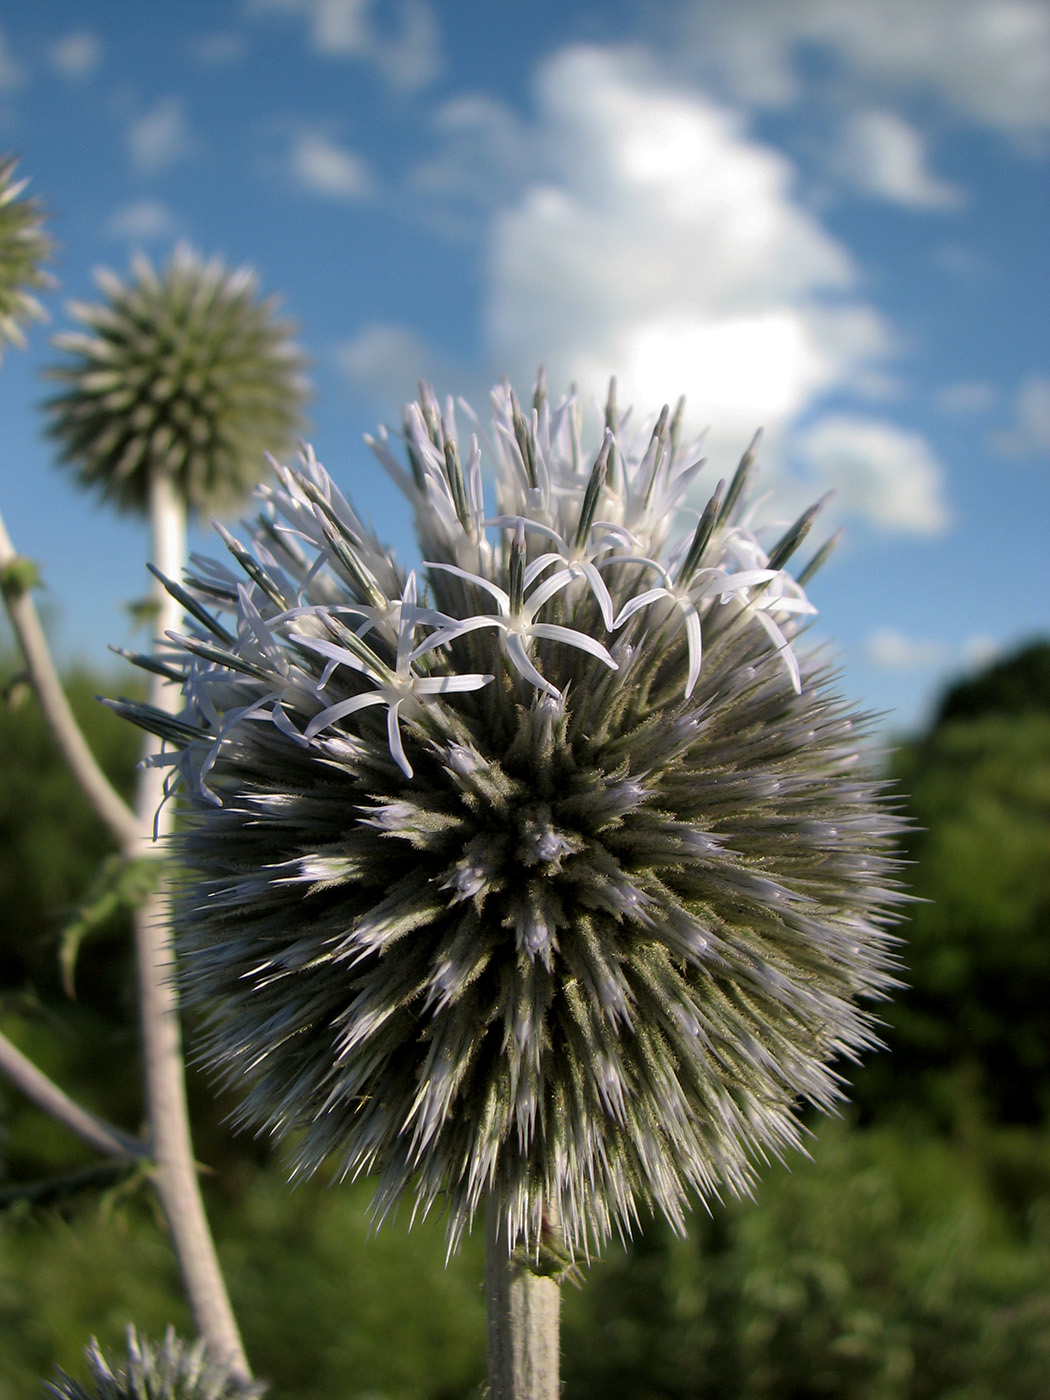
column 823, row 217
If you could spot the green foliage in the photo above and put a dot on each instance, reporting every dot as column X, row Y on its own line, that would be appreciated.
column 121, row 884
column 87, row 1270
column 328, row 1308
column 1018, row 683
column 18, row 577
column 909, row 1261
column 51, row 848
column 885, row 1269
column 971, row 1035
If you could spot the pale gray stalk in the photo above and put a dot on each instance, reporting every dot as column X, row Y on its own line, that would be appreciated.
column 523, row 1309
column 107, row 803
column 46, row 1094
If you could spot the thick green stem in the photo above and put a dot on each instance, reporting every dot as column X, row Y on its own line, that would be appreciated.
column 522, row 1322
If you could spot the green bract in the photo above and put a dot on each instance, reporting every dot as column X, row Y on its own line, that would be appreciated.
column 24, row 247
column 184, row 372
column 172, row 1370
column 548, row 872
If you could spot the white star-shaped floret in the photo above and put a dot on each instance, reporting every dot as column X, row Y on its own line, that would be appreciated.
column 395, row 688
column 516, row 619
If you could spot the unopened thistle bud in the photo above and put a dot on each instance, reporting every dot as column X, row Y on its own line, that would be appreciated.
column 546, row 874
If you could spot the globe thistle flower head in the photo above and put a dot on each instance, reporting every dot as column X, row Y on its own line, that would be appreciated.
column 184, row 371
column 546, row 873
column 170, row 1370
column 24, row 248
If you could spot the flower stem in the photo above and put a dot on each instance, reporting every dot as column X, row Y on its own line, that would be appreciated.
column 46, row 1094
column 108, row 805
column 522, row 1322
column 176, row 1171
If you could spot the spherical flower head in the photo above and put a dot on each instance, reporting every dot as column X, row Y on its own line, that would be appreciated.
column 546, row 874
column 170, row 1370
column 185, row 372
column 24, row 247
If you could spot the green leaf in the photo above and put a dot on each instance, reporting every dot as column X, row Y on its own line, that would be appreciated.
column 57, row 1191
column 17, row 690
column 18, row 576
column 121, row 883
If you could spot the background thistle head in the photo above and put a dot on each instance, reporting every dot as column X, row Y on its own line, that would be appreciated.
column 24, row 248
column 169, row 1370
column 184, row 372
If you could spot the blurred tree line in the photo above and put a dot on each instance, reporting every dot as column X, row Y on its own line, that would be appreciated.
column 909, row 1259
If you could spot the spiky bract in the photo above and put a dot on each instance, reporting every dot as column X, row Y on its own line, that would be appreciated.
column 185, row 372
column 170, row 1370
column 557, row 879
column 24, row 248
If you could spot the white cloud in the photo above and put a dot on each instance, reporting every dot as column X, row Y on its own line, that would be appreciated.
column 987, row 59
column 327, row 169
column 160, row 137
column 340, row 27
column 386, row 360
column 668, row 245
column 142, row 220
column 883, row 156
column 76, row 54
column 890, row 650
column 408, row 58
column 968, row 396
column 878, row 471
column 978, row 652
column 1029, row 433
column 484, row 152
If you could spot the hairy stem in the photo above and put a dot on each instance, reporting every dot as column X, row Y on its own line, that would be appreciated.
column 522, row 1322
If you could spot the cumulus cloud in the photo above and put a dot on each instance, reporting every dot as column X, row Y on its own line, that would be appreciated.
column 160, row 137
column 385, row 360
column 408, row 57
column 890, row 650
column 325, row 168
column 76, row 54
column 484, row 151
column 881, row 155
column 668, row 244
column 878, row 471
column 1029, row 433
column 141, row 221
column 989, row 60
